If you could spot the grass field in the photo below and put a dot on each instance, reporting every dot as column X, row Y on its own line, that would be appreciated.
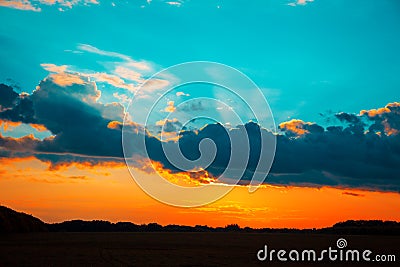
column 175, row 249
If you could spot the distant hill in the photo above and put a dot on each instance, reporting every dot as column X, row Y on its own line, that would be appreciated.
column 18, row 222
column 12, row 221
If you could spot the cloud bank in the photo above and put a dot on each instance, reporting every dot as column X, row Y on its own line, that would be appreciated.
column 362, row 151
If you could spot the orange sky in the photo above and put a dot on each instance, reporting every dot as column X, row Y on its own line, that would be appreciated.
column 109, row 193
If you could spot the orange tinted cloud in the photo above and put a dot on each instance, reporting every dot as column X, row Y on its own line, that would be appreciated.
column 38, row 127
column 29, row 4
column 128, row 74
column 26, row 143
column 170, row 107
column 60, row 76
column 294, row 126
column 116, row 125
column 88, row 164
column 164, row 121
column 381, row 112
column 19, row 4
column 200, row 177
column 54, row 68
column 134, row 127
column 8, row 125
column 113, row 80
column 66, row 79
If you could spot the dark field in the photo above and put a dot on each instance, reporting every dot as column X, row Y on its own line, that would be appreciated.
column 174, row 249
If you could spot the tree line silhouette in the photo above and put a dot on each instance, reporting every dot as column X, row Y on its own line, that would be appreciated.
column 12, row 221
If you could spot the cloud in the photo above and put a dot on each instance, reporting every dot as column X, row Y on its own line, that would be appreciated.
column 174, row 3
column 8, row 125
column 128, row 74
column 113, row 80
column 19, row 4
column 125, row 73
column 170, row 107
column 169, row 129
column 295, row 127
column 172, row 125
column 298, row 127
column 15, row 107
column 61, row 76
column 54, row 68
column 385, row 119
column 66, row 79
column 7, row 97
column 151, row 86
column 181, row 94
column 192, row 106
column 116, row 125
column 353, row 194
column 140, row 65
column 300, row 2
column 309, row 155
column 34, row 5
column 73, row 115
column 38, row 127
column 362, row 152
column 68, row 3
column 23, row 144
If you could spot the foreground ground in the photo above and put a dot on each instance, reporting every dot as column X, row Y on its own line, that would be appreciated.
column 175, row 249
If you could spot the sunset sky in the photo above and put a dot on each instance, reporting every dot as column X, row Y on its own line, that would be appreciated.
column 328, row 69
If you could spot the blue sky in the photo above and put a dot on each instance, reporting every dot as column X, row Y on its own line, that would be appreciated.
column 309, row 58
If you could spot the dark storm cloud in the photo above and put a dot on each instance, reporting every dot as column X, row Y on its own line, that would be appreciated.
column 15, row 145
column 336, row 157
column 72, row 114
column 363, row 152
column 308, row 154
column 75, row 118
column 15, row 107
column 7, row 96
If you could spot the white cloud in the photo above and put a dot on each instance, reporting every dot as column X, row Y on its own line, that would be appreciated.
column 111, row 79
column 141, row 65
column 181, row 94
column 300, row 2
column 174, row 3
column 128, row 74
